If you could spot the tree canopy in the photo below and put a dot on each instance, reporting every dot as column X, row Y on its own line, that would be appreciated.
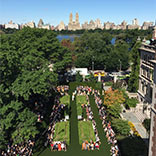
column 30, row 62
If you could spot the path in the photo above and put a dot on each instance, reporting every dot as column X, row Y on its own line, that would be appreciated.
column 104, row 145
column 74, row 134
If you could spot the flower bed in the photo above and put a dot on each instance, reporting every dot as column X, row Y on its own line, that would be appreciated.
column 135, row 132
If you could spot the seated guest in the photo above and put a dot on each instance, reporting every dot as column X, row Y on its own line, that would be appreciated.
column 83, row 146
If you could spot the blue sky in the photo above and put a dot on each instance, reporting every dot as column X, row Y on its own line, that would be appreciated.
column 54, row 11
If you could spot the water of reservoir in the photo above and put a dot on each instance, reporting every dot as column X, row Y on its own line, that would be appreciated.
column 69, row 37
column 72, row 37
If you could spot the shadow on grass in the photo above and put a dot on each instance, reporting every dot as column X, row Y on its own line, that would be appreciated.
column 133, row 146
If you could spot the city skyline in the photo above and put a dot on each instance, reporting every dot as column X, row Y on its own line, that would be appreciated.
column 53, row 12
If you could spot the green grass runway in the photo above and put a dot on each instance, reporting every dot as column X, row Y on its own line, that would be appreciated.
column 74, row 148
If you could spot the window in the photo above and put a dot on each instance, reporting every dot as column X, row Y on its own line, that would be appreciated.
column 145, row 57
column 146, row 89
column 148, row 74
column 151, row 92
column 143, row 87
column 144, row 72
column 151, row 74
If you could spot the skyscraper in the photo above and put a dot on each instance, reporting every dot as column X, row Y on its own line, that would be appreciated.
column 40, row 23
column 135, row 22
column 71, row 18
column 77, row 18
column 74, row 25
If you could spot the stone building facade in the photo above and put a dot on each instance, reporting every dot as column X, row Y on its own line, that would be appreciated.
column 146, row 77
column 152, row 141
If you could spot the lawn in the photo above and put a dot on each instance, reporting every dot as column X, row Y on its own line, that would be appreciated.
column 81, row 99
column 86, row 132
column 62, row 132
column 65, row 100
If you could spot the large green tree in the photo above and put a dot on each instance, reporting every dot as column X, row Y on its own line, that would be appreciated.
column 30, row 62
column 121, row 126
column 133, row 82
column 92, row 49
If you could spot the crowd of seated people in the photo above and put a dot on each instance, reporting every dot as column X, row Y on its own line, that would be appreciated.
column 23, row 149
column 63, row 90
column 56, row 116
column 90, row 145
column 85, row 90
column 58, row 146
column 107, row 126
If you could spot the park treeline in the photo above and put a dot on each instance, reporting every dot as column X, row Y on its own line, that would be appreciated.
column 31, row 61
column 104, row 49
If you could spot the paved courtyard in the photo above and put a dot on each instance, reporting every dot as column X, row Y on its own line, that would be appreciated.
column 138, row 125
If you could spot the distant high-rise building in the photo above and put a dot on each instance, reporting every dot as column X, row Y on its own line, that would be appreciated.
column 61, row 26
column 123, row 25
column 77, row 18
column 40, row 23
column 85, row 25
column 29, row 24
column 147, row 25
column 135, row 22
column 91, row 25
column 12, row 25
column 98, row 24
column 109, row 25
column 74, row 25
column 71, row 18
